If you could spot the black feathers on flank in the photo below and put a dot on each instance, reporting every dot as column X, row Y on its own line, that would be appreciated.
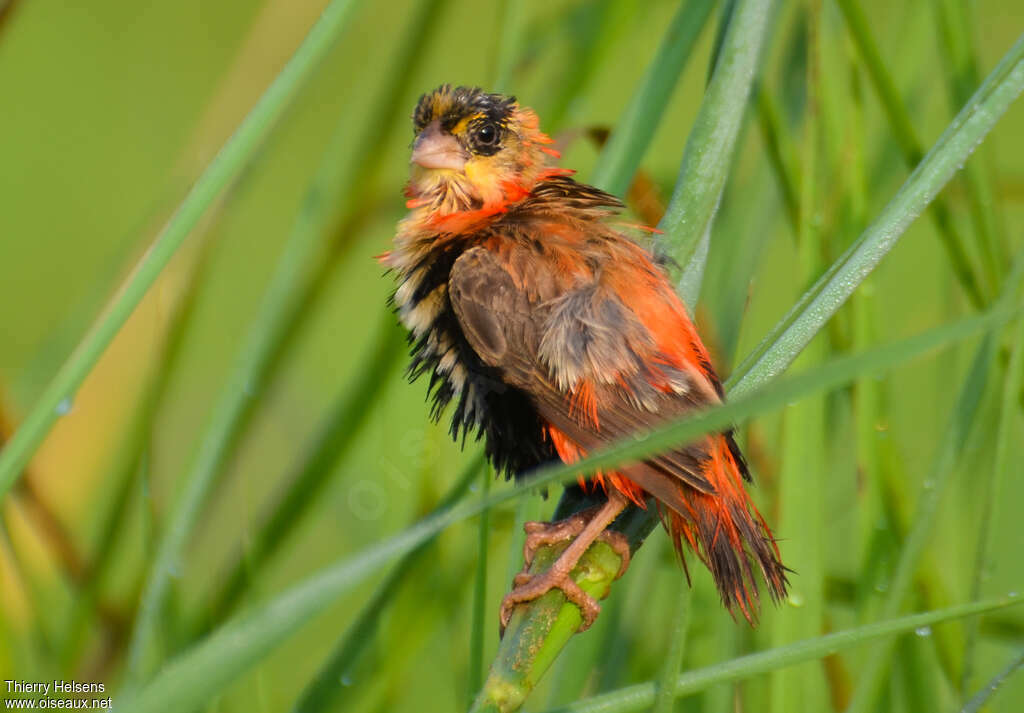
column 514, row 437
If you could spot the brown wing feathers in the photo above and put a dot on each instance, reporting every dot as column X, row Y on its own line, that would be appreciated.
column 555, row 334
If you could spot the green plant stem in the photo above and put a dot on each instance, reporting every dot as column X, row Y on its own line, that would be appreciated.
column 634, row 130
column 535, row 636
column 236, row 154
column 641, row 696
column 818, row 304
column 709, row 149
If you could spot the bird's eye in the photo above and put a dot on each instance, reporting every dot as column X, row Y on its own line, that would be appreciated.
column 487, row 134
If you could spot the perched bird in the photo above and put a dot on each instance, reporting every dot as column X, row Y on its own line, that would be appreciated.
column 552, row 333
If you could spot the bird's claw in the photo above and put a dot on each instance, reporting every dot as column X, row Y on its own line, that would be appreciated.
column 531, row 586
column 528, row 586
column 541, row 534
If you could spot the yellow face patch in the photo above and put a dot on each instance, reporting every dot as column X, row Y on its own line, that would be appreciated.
column 459, row 128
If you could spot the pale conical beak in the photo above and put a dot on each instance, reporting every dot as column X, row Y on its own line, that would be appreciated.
column 435, row 149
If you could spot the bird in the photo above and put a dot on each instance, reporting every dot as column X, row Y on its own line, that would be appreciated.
column 549, row 331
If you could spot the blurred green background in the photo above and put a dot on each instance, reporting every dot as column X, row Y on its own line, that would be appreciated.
column 109, row 110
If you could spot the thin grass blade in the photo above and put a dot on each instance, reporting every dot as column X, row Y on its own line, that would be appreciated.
column 237, row 153
column 641, row 696
column 627, row 144
column 709, row 149
column 778, row 350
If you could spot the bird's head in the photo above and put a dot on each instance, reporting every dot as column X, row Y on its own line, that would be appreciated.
column 474, row 154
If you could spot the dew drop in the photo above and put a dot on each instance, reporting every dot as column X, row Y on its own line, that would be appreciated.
column 346, row 680
column 923, row 631
column 64, row 407
column 474, row 488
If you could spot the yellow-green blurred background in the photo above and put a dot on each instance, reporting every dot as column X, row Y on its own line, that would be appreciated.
column 109, row 111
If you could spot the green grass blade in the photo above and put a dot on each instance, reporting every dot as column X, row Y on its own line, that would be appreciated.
column 992, row 490
column 935, row 485
column 634, row 130
column 818, row 304
column 979, row 699
column 305, row 249
column 709, row 149
column 240, row 149
column 664, row 697
column 130, row 470
column 337, row 433
column 479, row 614
column 203, row 670
column 906, row 138
column 641, row 696
column 960, row 57
column 510, row 43
column 321, row 693
column 801, row 499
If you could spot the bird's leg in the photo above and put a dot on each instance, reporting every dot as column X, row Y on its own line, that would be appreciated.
column 585, row 528
column 542, row 534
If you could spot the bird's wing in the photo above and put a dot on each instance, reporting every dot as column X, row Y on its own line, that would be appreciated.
column 585, row 358
column 598, row 367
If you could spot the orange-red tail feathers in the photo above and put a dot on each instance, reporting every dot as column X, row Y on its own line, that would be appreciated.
column 728, row 534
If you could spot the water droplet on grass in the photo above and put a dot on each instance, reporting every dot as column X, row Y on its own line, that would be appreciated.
column 923, row 631
column 64, row 407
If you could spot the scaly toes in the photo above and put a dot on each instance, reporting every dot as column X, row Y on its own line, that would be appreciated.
column 539, row 534
column 528, row 587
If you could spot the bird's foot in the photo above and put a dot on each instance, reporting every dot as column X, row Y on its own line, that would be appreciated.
column 532, row 586
column 582, row 529
column 542, row 534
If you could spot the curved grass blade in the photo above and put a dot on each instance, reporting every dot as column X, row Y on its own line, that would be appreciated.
column 199, row 673
column 634, row 130
column 236, row 154
column 641, row 696
column 793, row 332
